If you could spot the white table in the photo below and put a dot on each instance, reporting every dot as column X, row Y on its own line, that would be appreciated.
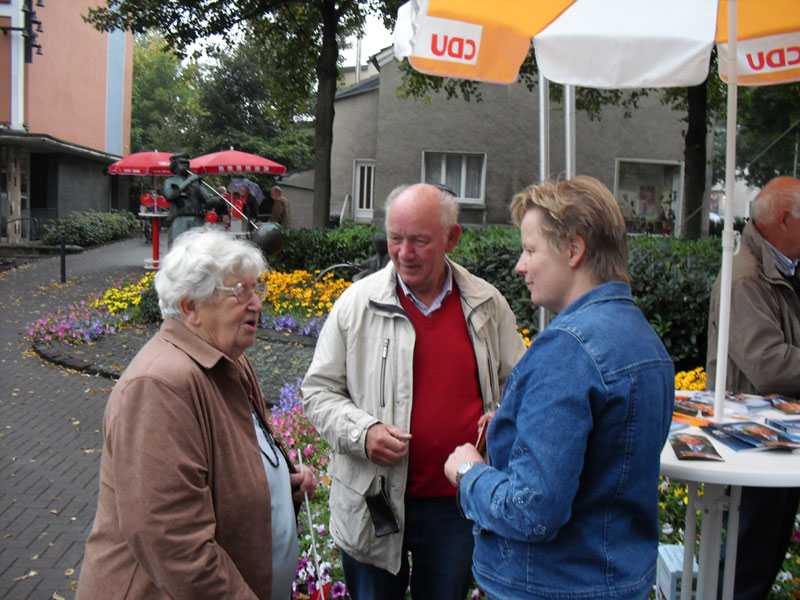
column 744, row 468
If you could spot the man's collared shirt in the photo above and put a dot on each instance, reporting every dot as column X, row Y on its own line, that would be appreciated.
column 783, row 263
column 437, row 302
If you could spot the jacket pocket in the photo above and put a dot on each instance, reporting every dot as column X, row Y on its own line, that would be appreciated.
column 351, row 524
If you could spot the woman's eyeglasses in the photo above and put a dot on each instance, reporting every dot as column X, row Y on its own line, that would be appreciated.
column 242, row 292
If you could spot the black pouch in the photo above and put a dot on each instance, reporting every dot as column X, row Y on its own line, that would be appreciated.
column 380, row 510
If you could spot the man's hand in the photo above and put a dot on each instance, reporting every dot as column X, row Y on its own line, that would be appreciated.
column 386, row 444
column 303, row 481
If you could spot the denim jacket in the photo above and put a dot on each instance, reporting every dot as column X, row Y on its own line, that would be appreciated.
column 567, row 507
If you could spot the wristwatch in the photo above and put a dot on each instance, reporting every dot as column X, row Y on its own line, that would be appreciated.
column 462, row 470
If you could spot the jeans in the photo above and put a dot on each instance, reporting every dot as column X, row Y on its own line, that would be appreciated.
column 440, row 542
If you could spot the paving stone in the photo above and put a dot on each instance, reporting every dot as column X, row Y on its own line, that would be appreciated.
column 41, row 401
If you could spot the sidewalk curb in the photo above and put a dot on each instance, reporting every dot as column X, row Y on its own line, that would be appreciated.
column 49, row 352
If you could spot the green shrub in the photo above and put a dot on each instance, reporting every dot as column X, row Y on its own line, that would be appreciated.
column 672, row 282
column 317, row 249
column 671, row 279
column 90, row 228
column 148, row 311
column 491, row 254
column 715, row 227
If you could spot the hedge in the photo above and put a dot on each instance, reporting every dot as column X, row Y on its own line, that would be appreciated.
column 671, row 279
column 90, row 228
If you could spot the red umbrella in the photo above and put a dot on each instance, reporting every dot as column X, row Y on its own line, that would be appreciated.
column 233, row 161
column 142, row 163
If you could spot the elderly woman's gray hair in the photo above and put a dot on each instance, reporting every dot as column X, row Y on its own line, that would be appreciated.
column 197, row 264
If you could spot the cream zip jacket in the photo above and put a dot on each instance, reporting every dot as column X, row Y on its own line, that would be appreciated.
column 362, row 374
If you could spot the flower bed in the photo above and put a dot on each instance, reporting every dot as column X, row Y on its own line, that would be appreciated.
column 298, row 303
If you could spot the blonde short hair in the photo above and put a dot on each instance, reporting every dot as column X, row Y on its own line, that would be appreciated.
column 581, row 206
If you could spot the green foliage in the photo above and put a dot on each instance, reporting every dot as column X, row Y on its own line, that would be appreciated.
column 672, row 282
column 302, row 53
column 147, row 311
column 492, row 254
column 317, row 249
column 240, row 104
column 715, row 228
column 768, row 132
column 164, row 97
column 90, row 228
column 671, row 279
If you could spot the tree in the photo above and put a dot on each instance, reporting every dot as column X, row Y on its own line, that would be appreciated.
column 239, row 109
column 702, row 104
column 768, row 132
column 163, row 98
column 312, row 29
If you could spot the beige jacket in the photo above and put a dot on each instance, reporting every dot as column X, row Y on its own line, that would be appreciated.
column 184, row 505
column 362, row 373
column 764, row 346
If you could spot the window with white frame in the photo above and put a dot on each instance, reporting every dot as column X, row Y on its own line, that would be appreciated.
column 649, row 193
column 464, row 173
column 363, row 186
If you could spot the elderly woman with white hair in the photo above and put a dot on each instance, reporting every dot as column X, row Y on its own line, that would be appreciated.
column 196, row 496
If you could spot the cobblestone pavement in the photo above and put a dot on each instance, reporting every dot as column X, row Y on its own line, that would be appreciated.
column 50, row 425
column 50, row 415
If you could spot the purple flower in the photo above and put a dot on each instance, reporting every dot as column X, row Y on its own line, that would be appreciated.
column 338, row 590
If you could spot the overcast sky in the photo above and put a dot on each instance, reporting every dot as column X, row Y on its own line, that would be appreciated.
column 376, row 39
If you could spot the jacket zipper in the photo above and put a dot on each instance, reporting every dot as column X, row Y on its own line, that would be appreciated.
column 492, row 375
column 384, row 354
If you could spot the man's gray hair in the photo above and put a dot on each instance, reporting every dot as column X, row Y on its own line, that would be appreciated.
column 448, row 203
column 764, row 207
column 197, row 265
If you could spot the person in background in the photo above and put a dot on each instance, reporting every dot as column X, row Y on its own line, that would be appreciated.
column 237, row 214
column 224, row 208
column 196, row 495
column 763, row 358
column 281, row 213
column 408, row 361
column 567, row 505
column 250, row 205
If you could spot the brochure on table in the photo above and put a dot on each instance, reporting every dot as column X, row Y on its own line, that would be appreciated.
column 752, row 423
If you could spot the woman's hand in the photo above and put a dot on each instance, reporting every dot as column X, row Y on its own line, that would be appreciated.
column 463, row 454
column 303, row 482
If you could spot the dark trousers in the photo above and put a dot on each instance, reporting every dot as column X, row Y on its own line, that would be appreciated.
column 440, row 542
column 766, row 522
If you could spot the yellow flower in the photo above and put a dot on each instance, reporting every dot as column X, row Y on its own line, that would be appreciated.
column 691, row 380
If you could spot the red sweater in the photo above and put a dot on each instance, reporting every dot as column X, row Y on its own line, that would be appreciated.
column 447, row 398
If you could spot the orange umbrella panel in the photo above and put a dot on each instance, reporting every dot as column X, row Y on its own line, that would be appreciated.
column 768, row 46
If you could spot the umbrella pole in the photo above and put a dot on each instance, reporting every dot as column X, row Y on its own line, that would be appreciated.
column 569, row 130
column 728, row 237
column 544, row 158
column 229, row 203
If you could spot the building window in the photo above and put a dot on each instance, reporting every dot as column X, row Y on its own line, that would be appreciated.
column 650, row 194
column 363, row 187
column 463, row 173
